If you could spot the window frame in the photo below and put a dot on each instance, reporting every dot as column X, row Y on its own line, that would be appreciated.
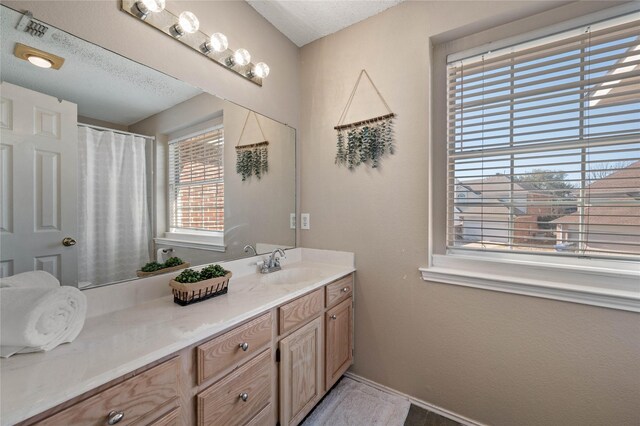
column 184, row 237
column 599, row 282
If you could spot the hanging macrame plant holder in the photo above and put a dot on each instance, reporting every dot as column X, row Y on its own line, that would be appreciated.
column 252, row 159
column 366, row 141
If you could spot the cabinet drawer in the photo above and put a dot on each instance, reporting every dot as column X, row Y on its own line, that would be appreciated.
column 264, row 417
column 300, row 310
column 141, row 398
column 339, row 290
column 226, row 350
column 172, row 418
column 221, row 404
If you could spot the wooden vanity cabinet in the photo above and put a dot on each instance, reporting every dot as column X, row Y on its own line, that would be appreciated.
column 271, row 369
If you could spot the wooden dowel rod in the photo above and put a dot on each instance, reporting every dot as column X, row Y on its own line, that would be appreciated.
column 253, row 145
column 358, row 123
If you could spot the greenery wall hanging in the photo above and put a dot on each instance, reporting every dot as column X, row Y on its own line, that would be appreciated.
column 252, row 159
column 366, row 141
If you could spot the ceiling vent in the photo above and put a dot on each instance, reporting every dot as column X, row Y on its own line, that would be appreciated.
column 27, row 24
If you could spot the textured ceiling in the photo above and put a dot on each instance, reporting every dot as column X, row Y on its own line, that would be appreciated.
column 104, row 85
column 304, row 21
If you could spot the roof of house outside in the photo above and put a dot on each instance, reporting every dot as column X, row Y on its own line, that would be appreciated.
column 499, row 185
column 624, row 181
column 604, row 215
column 622, row 206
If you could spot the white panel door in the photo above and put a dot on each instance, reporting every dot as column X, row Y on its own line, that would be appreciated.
column 38, row 183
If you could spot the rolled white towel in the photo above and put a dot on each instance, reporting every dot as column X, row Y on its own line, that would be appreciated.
column 30, row 279
column 39, row 319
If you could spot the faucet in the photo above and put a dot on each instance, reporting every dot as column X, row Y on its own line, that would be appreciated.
column 272, row 263
column 249, row 248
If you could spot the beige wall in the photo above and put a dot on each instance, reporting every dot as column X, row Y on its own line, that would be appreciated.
column 255, row 211
column 102, row 22
column 496, row 358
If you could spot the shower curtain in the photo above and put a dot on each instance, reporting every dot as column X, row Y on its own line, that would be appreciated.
column 113, row 220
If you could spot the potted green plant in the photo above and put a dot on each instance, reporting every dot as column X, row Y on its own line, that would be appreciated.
column 195, row 286
column 155, row 268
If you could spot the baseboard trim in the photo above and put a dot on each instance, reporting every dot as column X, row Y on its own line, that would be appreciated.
column 422, row 404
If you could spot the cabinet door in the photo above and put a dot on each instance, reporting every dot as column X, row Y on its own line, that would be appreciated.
column 301, row 372
column 339, row 344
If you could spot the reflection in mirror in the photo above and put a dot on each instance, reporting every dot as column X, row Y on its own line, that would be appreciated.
column 107, row 165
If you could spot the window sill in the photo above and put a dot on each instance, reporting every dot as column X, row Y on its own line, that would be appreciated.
column 549, row 282
column 193, row 242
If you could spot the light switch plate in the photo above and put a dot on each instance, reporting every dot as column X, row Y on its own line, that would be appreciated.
column 292, row 221
column 305, row 221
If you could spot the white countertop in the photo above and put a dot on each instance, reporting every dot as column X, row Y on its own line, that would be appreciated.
column 118, row 342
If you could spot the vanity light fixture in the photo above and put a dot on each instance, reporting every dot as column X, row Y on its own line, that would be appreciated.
column 141, row 8
column 185, row 28
column 38, row 57
column 187, row 23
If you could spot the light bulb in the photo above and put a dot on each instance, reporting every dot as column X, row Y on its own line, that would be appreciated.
column 241, row 57
column 261, row 70
column 39, row 62
column 142, row 8
column 154, row 5
column 219, row 42
column 188, row 22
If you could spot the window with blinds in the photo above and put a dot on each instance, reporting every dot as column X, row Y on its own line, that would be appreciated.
column 544, row 145
column 196, row 183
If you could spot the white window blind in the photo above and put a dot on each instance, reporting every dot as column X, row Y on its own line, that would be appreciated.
column 544, row 146
column 196, row 182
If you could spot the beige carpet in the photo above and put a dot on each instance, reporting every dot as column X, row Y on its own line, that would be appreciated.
column 352, row 403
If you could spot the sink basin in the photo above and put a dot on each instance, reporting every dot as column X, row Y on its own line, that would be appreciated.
column 291, row 276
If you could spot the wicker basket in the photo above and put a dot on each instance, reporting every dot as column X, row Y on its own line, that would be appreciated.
column 163, row 270
column 188, row 293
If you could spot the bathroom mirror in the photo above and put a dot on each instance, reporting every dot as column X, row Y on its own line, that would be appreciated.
column 106, row 164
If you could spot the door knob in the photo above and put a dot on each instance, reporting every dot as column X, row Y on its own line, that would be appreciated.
column 244, row 396
column 68, row 242
column 333, row 316
column 244, row 346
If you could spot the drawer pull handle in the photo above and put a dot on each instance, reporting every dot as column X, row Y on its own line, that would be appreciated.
column 244, row 396
column 333, row 316
column 346, row 289
column 115, row 417
column 244, row 346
